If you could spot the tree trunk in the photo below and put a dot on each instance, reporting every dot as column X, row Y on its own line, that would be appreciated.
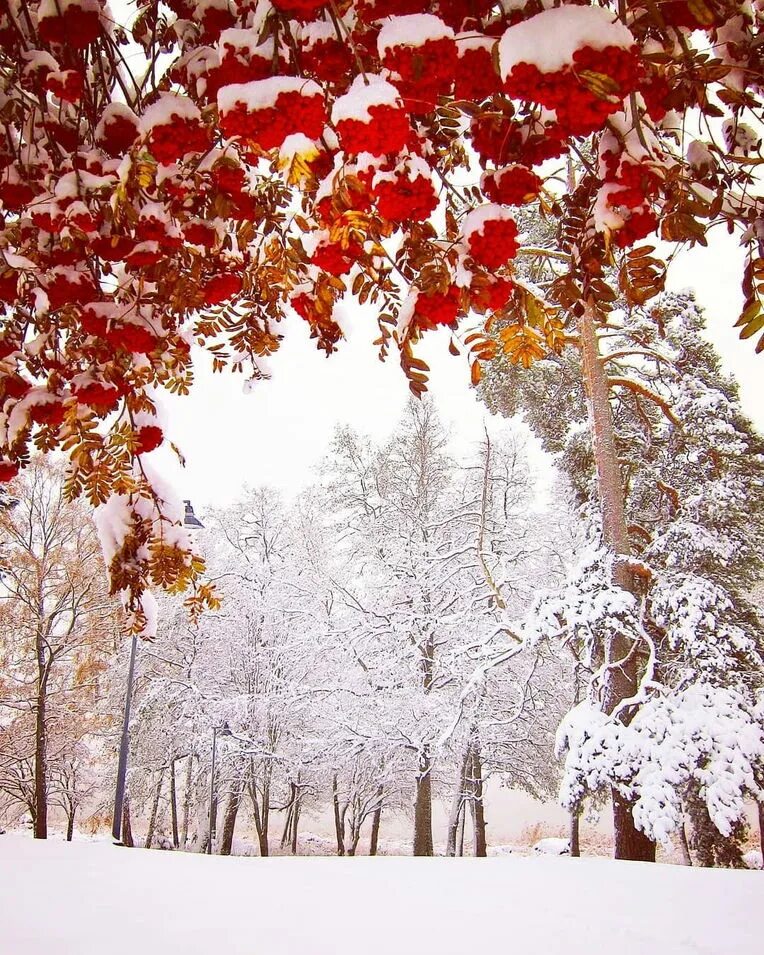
column 41, row 751
column 174, row 806
column 761, row 830
column 575, row 832
column 295, row 823
column 127, row 829
column 456, row 807
column 479, row 841
column 187, row 799
column 460, row 829
column 154, row 810
column 376, row 821
column 70, row 823
column 229, row 820
column 620, row 681
column 339, row 822
column 423, row 806
column 684, row 846
column 630, row 842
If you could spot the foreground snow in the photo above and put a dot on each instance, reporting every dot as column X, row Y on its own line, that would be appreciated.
column 87, row 898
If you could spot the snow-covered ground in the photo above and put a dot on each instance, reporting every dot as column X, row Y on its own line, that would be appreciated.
column 88, row 898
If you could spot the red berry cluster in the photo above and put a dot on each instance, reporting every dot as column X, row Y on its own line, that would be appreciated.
column 65, row 289
column 638, row 183
column 118, row 135
column 67, row 85
column 148, row 438
column 214, row 20
column 222, row 287
column 200, row 233
column 490, row 296
column 636, row 227
column 301, row 9
column 502, row 140
column 269, row 127
column 98, row 395
column 494, row 244
column 438, row 308
column 231, row 181
column 569, row 91
column 50, row 413
column 387, row 131
column 168, row 142
column 8, row 471
column 236, row 66
column 132, row 338
column 405, row 199
column 476, row 77
column 75, row 28
column 423, row 72
column 333, row 258
column 511, row 186
column 327, row 60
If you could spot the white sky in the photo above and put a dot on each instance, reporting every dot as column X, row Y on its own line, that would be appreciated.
column 278, row 434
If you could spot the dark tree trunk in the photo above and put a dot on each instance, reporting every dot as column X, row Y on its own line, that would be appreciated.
column 229, row 820
column 423, row 807
column 41, row 754
column 187, row 798
column 261, row 817
column 339, row 822
column 376, row 821
column 154, row 811
column 295, row 823
column 174, row 806
column 127, row 829
column 480, row 846
column 575, row 832
column 630, row 842
column 620, row 681
column 761, row 829
column 70, row 823
column 684, row 846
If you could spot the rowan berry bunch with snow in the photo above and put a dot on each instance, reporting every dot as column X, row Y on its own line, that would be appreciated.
column 180, row 169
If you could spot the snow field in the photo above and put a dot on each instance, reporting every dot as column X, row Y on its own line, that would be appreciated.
column 88, row 898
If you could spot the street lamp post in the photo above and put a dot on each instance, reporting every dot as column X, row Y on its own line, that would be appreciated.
column 119, row 797
column 223, row 730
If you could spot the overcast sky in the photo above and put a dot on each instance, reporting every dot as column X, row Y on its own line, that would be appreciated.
column 278, row 434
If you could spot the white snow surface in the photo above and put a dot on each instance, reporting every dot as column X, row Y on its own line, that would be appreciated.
column 371, row 90
column 262, row 94
column 101, row 898
column 549, row 40
column 415, row 29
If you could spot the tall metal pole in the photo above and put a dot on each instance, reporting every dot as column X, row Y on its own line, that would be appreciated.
column 212, row 791
column 124, row 746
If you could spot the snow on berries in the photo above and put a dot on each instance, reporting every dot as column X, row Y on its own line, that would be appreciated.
column 370, row 118
column 173, row 128
column 575, row 60
column 490, row 234
column 323, row 55
column 631, row 184
column 511, row 186
column 73, row 23
column 117, row 129
column 267, row 111
column 475, row 77
column 420, row 53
